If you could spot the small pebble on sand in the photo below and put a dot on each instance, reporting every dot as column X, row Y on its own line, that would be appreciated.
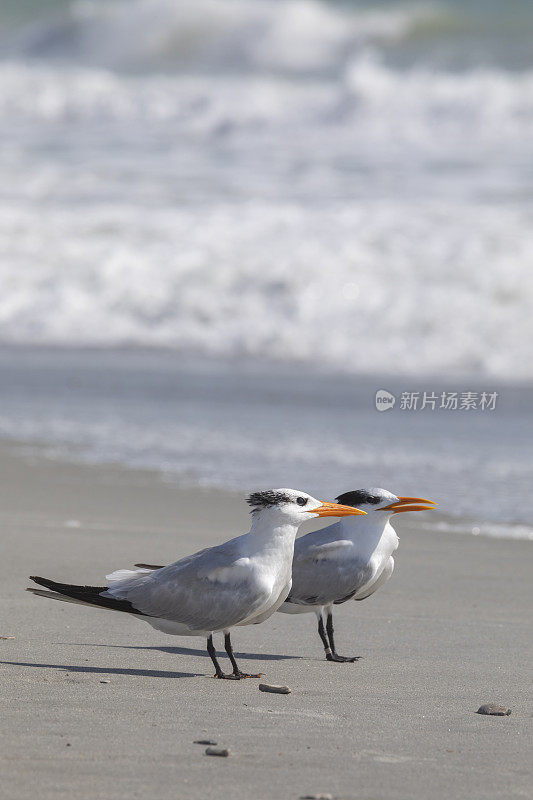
column 217, row 751
column 317, row 797
column 204, row 741
column 494, row 710
column 270, row 687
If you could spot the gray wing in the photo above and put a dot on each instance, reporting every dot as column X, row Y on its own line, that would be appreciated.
column 325, row 570
column 213, row 589
column 372, row 587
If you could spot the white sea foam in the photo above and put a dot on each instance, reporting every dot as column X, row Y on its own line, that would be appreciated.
column 359, row 288
column 282, row 190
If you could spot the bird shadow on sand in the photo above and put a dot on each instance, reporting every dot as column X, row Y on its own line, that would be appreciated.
column 187, row 651
column 144, row 673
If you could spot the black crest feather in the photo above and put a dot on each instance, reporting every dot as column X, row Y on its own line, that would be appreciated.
column 267, row 499
column 358, row 497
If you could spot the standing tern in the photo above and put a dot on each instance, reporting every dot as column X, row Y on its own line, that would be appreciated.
column 240, row 582
column 348, row 560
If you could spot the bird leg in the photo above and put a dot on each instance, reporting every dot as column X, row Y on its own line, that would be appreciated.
column 332, row 655
column 322, row 634
column 237, row 674
column 213, row 653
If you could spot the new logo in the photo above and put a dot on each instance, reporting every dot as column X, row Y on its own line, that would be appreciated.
column 384, row 400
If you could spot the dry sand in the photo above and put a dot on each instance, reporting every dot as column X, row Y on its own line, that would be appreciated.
column 448, row 633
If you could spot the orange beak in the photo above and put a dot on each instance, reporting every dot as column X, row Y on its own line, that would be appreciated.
column 409, row 504
column 335, row 510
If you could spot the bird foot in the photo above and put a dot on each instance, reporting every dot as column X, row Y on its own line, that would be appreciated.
column 238, row 675
column 234, row 676
column 223, row 677
column 342, row 659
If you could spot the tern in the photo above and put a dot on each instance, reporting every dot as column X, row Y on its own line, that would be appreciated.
column 348, row 560
column 239, row 582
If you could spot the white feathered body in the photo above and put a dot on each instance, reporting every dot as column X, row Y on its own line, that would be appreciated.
column 240, row 582
column 348, row 560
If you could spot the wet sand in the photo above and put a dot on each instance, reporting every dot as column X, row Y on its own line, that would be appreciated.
column 448, row 633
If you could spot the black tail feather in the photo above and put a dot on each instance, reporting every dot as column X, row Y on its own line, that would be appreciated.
column 87, row 594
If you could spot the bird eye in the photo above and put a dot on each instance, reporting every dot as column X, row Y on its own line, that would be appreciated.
column 302, row 501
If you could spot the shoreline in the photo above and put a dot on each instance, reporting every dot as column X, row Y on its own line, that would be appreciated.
column 446, row 634
column 438, row 523
column 230, row 428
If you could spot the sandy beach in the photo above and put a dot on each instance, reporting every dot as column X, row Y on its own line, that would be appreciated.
column 448, row 633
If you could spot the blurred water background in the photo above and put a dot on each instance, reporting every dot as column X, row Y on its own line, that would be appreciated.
column 311, row 188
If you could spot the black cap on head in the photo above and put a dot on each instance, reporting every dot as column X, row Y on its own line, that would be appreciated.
column 358, row 497
column 267, row 499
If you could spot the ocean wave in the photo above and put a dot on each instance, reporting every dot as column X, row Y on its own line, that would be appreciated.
column 378, row 220
column 296, row 36
column 372, row 104
column 399, row 290
column 497, row 530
